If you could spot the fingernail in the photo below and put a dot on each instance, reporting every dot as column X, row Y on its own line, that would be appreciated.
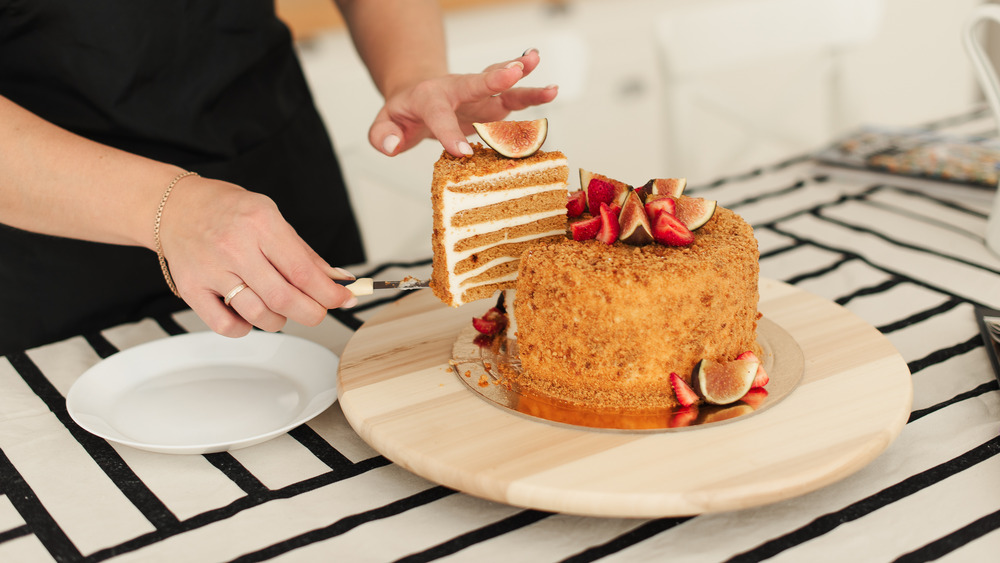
column 390, row 143
column 342, row 274
column 465, row 148
column 550, row 86
column 513, row 64
column 350, row 303
column 526, row 51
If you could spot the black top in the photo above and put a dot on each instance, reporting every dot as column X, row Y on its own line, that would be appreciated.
column 213, row 86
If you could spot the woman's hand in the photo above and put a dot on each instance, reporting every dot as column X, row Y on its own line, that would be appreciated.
column 446, row 107
column 216, row 236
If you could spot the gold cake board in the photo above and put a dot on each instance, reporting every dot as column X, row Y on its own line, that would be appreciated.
column 400, row 394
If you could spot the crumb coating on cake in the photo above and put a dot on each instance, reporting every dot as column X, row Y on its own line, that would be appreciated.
column 604, row 326
column 523, row 202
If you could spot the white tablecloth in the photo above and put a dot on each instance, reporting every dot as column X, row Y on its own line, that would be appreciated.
column 905, row 256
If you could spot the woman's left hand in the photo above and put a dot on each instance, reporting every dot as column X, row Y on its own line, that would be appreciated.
column 446, row 107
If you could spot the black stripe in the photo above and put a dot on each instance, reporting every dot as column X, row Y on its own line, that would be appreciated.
column 101, row 345
column 479, row 535
column 950, row 204
column 920, row 316
column 234, row 470
column 870, row 290
column 954, row 540
column 983, row 389
column 239, row 505
column 943, row 354
column 14, row 533
column 100, row 450
column 348, row 523
column 320, row 448
column 819, row 272
column 170, row 325
column 35, row 516
column 909, row 486
column 628, row 539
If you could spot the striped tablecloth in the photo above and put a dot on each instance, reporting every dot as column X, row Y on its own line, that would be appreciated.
column 905, row 256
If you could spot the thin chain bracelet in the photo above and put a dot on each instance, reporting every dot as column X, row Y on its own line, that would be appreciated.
column 156, row 231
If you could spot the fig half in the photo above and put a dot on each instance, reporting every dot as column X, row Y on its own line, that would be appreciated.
column 635, row 227
column 514, row 139
column 694, row 212
column 723, row 383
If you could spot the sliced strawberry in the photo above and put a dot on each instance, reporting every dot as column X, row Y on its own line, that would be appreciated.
column 609, row 224
column 585, row 229
column 659, row 204
column 491, row 323
column 761, row 379
column 576, row 203
column 669, row 231
column 685, row 395
column 599, row 191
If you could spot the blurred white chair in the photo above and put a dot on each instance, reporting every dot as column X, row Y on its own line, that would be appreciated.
column 750, row 80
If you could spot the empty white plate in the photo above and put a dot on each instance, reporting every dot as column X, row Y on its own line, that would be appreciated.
column 202, row 392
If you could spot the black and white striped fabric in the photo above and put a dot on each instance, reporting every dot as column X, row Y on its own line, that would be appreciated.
column 907, row 257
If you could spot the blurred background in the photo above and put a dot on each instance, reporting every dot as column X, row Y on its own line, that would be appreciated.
column 655, row 88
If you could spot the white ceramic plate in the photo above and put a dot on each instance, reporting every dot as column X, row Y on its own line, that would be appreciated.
column 202, row 392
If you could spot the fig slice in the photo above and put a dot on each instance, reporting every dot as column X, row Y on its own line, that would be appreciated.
column 694, row 212
column 514, row 139
column 635, row 228
column 723, row 383
column 673, row 187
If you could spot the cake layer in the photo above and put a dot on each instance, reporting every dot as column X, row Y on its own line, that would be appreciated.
column 487, row 209
column 604, row 326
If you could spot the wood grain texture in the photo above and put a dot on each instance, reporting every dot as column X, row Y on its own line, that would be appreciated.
column 399, row 393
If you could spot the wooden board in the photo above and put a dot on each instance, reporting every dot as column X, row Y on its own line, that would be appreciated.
column 399, row 393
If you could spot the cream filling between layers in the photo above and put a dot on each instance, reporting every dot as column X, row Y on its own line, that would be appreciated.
column 454, row 203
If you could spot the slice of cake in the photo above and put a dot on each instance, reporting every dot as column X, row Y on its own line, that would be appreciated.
column 487, row 210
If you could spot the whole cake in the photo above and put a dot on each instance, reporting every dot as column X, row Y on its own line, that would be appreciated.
column 603, row 326
column 488, row 208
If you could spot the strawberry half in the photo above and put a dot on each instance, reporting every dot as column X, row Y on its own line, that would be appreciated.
column 576, row 203
column 761, row 378
column 610, row 228
column 492, row 323
column 755, row 397
column 598, row 192
column 685, row 395
column 585, row 229
column 669, row 231
column 662, row 204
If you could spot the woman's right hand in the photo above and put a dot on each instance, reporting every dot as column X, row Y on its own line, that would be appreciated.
column 216, row 235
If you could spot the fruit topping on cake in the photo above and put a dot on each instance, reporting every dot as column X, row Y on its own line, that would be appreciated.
column 576, row 203
column 513, row 139
column 685, row 395
column 585, row 229
column 494, row 321
column 722, row 383
column 669, row 231
column 635, row 228
column 760, row 378
column 694, row 211
column 610, row 228
column 602, row 189
column 672, row 187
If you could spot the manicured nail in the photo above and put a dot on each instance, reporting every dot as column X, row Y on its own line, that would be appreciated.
column 513, row 64
column 551, row 86
column 350, row 303
column 529, row 51
column 390, row 143
column 465, row 148
column 341, row 274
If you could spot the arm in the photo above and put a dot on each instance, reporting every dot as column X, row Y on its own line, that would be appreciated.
column 214, row 234
column 402, row 44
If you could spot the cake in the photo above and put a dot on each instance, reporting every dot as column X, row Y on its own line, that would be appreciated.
column 487, row 210
column 603, row 326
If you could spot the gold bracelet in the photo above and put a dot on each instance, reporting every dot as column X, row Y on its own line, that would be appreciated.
column 156, row 231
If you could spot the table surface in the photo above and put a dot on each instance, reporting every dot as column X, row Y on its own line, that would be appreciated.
column 906, row 256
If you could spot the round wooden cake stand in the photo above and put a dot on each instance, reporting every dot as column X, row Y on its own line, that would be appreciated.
column 400, row 394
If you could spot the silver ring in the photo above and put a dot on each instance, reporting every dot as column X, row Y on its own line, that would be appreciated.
column 232, row 293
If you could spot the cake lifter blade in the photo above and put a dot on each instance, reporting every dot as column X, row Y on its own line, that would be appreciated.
column 365, row 286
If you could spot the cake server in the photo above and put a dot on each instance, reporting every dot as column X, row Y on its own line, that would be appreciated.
column 366, row 286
